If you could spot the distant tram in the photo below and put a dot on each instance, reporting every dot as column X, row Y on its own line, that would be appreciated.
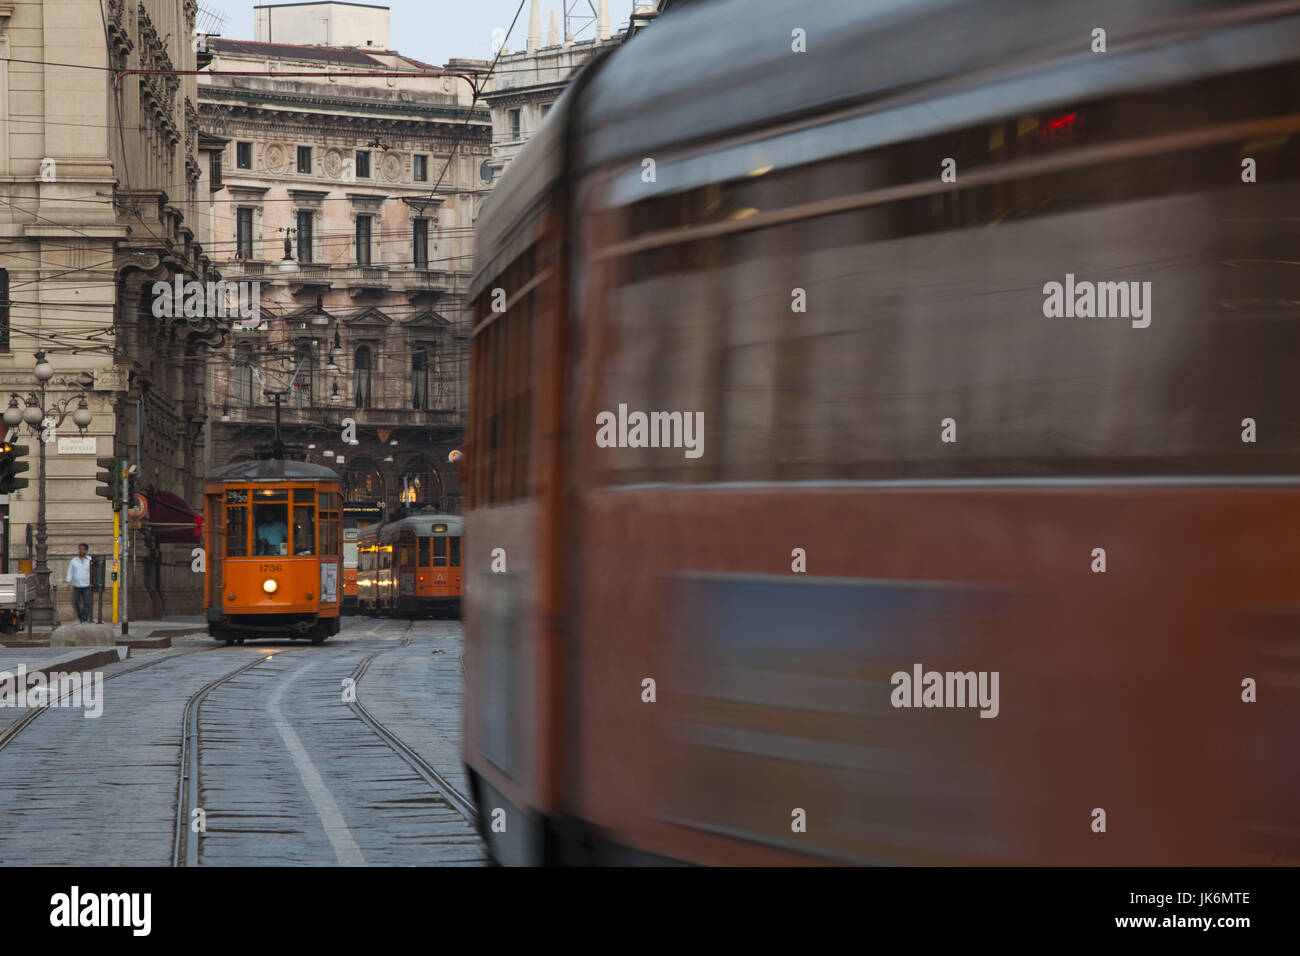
column 273, row 536
column 410, row 567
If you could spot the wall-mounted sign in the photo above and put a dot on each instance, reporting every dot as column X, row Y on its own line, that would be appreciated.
column 111, row 379
column 76, row 445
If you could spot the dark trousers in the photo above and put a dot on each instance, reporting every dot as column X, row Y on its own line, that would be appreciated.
column 81, row 603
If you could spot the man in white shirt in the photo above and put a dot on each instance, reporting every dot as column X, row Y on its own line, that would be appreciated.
column 79, row 578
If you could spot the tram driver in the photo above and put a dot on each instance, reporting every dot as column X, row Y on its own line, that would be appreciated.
column 272, row 532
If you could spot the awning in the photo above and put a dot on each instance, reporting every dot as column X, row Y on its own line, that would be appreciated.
column 171, row 518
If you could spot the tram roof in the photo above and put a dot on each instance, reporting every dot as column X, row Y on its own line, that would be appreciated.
column 272, row 469
column 668, row 86
column 421, row 523
column 666, row 89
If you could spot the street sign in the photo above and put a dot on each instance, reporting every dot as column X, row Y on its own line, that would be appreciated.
column 139, row 507
column 76, row 445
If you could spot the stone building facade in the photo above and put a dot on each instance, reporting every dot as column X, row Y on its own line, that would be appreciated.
column 375, row 181
column 105, row 182
column 526, row 83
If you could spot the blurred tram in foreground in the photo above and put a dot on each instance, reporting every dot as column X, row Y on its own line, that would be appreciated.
column 923, row 477
column 273, row 536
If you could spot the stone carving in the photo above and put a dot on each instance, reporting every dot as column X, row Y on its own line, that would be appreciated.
column 391, row 165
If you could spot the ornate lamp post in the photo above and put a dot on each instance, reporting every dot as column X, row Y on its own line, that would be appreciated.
column 40, row 417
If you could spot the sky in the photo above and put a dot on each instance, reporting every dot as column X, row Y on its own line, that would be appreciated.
column 435, row 31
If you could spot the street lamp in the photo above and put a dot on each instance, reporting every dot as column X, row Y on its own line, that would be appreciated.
column 82, row 417
column 287, row 266
column 13, row 415
column 38, row 416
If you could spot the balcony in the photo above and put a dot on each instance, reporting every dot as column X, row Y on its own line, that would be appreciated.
column 310, row 276
column 361, row 279
column 406, row 416
column 292, row 414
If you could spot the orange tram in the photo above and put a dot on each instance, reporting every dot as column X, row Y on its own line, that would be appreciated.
column 273, row 536
column 411, row 566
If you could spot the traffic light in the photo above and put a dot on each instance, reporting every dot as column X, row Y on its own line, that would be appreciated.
column 110, row 480
column 12, row 465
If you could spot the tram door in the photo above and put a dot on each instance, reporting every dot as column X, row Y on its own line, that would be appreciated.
column 212, row 528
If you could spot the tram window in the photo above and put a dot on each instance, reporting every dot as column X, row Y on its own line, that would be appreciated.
column 439, row 552
column 303, row 494
column 330, row 523
column 453, row 545
column 304, row 528
column 406, row 552
column 329, row 535
column 424, row 552
column 271, row 528
column 236, row 532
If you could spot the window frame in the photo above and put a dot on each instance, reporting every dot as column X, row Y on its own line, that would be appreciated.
column 244, row 244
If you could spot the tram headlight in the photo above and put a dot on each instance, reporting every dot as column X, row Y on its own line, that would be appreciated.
column 269, row 585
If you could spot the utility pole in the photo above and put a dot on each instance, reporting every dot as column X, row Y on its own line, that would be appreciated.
column 126, row 552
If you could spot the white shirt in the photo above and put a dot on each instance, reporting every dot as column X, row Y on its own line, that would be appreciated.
column 79, row 572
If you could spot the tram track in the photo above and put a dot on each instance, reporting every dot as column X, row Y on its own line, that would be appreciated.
column 185, row 851
column 423, row 769
column 27, row 719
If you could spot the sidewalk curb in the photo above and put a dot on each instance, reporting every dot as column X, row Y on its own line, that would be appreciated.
column 98, row 657
column 169, row 632
column 145, row 643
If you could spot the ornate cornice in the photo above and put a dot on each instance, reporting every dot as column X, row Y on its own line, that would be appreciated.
column 260, row 99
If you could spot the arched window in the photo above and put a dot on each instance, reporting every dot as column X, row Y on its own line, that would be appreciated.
column 421, row 484
column 243, row 374
column 302, row 385
column 362, row 394
column 363, row 482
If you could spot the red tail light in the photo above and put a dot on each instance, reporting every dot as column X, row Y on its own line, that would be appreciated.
column 458, row 577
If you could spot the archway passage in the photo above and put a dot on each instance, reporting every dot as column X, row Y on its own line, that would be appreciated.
column 363, row 481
